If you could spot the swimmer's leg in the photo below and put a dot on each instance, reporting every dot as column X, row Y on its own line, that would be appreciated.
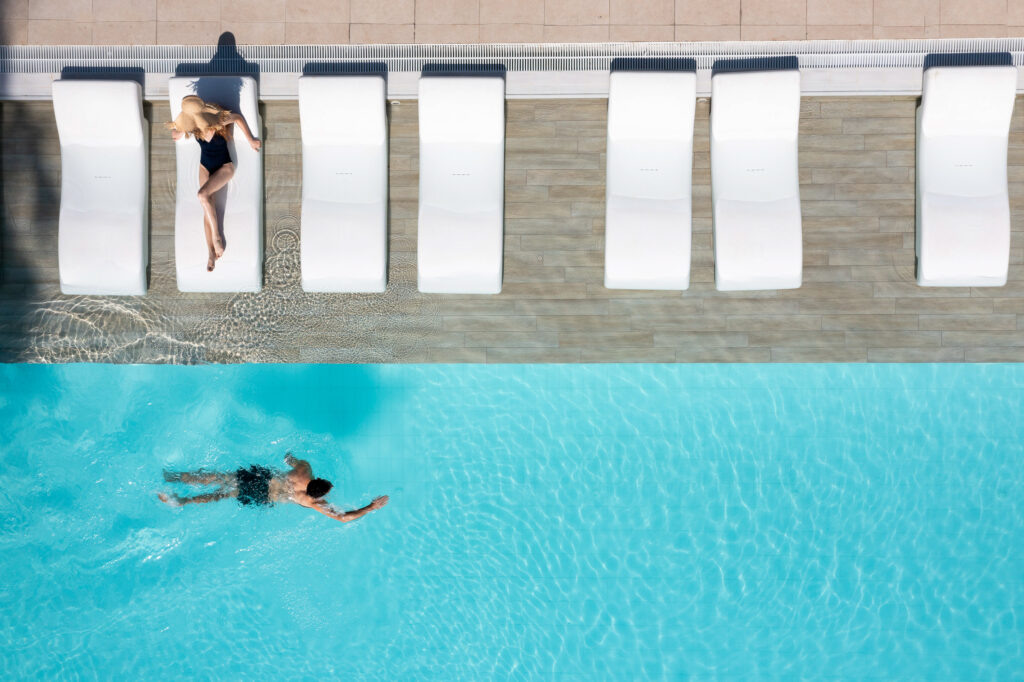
column 215, row 496
column 199, row 477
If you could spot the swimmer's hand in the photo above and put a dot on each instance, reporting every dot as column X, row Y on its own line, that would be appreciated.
column 345, row 517
column 255, row 144
column 289, row 460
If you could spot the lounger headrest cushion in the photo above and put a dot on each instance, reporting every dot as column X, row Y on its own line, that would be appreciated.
column 98, row 112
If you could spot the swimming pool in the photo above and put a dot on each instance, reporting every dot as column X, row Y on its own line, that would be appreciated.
column 591, row 522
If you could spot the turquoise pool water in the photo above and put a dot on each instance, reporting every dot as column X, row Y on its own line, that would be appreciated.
column 578, row 522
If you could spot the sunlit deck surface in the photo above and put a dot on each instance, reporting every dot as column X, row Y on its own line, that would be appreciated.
column 274, row 22
column 859, row 301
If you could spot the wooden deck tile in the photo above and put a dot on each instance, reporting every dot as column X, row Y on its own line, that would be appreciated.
column 859, row 301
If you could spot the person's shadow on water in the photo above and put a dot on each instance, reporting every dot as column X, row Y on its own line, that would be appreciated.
column 226, row 61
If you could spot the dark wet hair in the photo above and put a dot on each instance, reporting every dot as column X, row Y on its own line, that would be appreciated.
column 318, row 487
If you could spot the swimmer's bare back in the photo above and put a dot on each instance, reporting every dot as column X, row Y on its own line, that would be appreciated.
column 292, row 487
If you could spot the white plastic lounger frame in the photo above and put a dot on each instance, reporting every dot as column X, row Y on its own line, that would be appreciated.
column 462, row 177
column 650, row 161
column 103, row 233
column 240, row 203
column 344, row 183
column 963, row 203
column 755, row 189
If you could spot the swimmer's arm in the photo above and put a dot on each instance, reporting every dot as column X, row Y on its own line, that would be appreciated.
column 345, row 517
column 297, row 463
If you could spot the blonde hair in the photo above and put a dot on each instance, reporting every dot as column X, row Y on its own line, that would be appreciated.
column 197, row 117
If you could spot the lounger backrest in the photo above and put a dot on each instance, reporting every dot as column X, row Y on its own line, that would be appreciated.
column 462, row 139
column 98, row 113
column 755, row 119
column 462, row 109
column 650, row 133
column 342, row 110
column 653, row 99
column 968, row 100
column 964, row 129
column 344, row 138
column 755, row 105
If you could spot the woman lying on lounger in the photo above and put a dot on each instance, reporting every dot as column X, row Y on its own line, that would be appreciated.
column 258, row 486
column 211, row 125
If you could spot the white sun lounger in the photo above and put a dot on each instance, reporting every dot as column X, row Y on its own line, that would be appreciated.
column 461, row 210
column 344, row 183
column 240, row 203
column 963, row 203
column 650, row 160
column 755, row 189
column 103, row 241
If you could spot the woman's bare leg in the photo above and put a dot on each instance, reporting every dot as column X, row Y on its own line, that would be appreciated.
column 208, row 229
column 208, row 187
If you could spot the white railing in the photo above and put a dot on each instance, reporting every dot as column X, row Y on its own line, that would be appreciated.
column 542, row 70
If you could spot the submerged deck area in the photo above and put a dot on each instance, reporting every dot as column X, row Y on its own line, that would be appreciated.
column 859, row 300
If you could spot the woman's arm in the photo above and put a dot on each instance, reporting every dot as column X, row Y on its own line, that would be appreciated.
column 240, row 120
column 177, row 135
column 345, row 517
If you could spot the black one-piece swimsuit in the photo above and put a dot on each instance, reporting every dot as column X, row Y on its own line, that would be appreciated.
column 213, row 154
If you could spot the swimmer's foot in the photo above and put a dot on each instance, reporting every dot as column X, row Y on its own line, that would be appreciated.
column 211, row 261
column 171, row 500
column 218, row 247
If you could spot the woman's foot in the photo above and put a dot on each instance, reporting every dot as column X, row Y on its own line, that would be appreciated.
column 218, row 247
column 211, row 261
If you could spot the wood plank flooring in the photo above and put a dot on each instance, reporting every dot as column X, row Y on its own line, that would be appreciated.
column 859, row 301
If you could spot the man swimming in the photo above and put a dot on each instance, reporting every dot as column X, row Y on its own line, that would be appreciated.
column 260, row 486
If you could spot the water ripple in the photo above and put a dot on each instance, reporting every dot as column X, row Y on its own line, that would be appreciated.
column 591, row 523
